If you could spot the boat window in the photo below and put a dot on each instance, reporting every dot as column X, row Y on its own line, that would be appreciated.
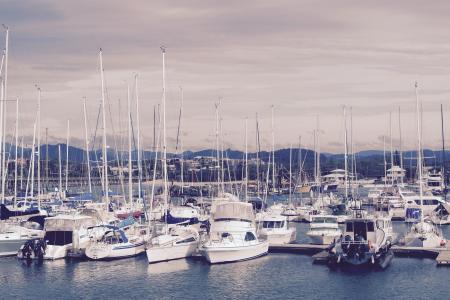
column 268, row 224
column 188, row 240
column 58, row 238
column 282, row 224
column 349, row 227
column 360, row 230
column 225, row 234
column 250, row 236
column 370, row 227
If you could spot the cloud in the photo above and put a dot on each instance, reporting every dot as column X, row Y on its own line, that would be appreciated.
column 305, row 57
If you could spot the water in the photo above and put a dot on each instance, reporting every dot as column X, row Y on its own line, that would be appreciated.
column 275, row 276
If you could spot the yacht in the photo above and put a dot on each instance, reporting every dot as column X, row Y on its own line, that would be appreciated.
column 441, row 214
column 275, row 229
column 179, row 242
column 14, row 235
column 366, row 241
column 64, row 233
column 232, row 235
column 324, row 229
column 117, row 243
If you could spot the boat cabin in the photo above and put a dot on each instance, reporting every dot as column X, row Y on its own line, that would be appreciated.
column 360, row 230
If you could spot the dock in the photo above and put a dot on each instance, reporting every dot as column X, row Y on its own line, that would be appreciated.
column 297, row 248
column 320, row 254
column 443, row 259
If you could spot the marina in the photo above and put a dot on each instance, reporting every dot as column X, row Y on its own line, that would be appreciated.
column 235, row 150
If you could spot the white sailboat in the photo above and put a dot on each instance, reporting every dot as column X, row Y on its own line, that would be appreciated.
column 423, row 234
column 179, row 242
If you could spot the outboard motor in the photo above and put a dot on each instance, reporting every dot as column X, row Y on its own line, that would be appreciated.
column 27, row 249
column 39, row 248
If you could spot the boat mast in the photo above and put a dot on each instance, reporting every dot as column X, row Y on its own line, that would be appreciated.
column 163, row 49
column 105, row 154
column 258, row 149
column 345, row 155
column 130, row 166
column 139, row 162
column 273, row 150
column 16, row 151
column 443, row 152
column 391, row 149
column 60, row 171
column 218, row 150
column 290, row 173
column 300, row 168
column 419, row 150
column 400, row 144
column 86, row 137
column 67, row 155
column 5, row 95
column 33, row 153
column 246, row 160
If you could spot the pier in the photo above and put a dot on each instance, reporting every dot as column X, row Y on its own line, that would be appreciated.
column 320, row 254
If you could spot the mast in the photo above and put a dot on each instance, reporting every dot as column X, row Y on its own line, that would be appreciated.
column 86, row 137
column 2, row 103
column 5, row 95
column 46, row 157
column 443, row 150
column 60, row 171
column 246, row 161
column 419, row 150
column 290, row 173
column 105, row 154
column 345, row 155
column 67, row 155
column 33, row 153
column 391, row 149
column 258, row 149
column 21, row 164
column 130, row 166
column 218, row 149
column 300, row 167
column 163, row 50
column 39, row 144
column 400, row 144
column 181, row 142
column 384, row 160
column 16, row 151
column 273, row 150
column 139, row 162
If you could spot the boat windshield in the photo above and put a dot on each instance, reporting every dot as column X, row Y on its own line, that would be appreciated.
column 273, row 224
column 58, row 238
column 324, row 220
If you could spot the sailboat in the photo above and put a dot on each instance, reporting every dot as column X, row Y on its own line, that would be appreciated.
column 423, row 234
column 178, row 242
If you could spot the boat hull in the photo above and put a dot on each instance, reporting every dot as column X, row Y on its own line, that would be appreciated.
column 275, row 238
column 10, row 247
column 221, row 254
column 165, row 253
column 322, row 239
column 109, row 252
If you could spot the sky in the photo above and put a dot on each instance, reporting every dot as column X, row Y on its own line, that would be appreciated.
column 307, row 59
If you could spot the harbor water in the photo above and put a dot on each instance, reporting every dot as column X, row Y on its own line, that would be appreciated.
column 275, row 276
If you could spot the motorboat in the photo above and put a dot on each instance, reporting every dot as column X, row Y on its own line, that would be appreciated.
column 276, row 230
column 324, row 229
column 232, row 236
column 366, row 241
column 176, row 243
column 66, row 232
column 14, row 234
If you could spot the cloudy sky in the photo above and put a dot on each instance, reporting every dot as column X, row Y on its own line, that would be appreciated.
column 307, row 58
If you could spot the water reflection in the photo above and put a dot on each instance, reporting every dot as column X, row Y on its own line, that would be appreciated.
column 172, row 266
